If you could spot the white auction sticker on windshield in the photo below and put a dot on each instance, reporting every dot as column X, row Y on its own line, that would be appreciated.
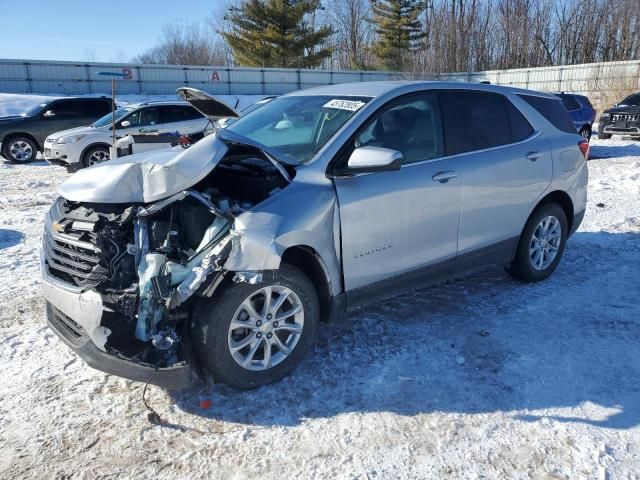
column 351, row 105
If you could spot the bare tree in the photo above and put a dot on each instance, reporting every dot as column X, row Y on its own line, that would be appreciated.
column 352, row 33
column 185, row 44
column 89, row 55
column 456, row 35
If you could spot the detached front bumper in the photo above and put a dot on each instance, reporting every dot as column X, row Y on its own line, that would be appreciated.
column 75, row 317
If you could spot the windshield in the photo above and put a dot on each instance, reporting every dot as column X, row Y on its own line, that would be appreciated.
column 631, row 100
column 255, row 106
column 299, row 126
column 106, row 120
column 35, row 110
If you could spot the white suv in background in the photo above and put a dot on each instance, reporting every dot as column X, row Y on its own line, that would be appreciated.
column 86, row 146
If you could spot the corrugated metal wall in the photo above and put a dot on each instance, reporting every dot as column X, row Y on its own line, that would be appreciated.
column 32, row 76
column 72, row 78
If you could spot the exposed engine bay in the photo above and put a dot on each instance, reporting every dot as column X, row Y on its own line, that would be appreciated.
column 149, row 262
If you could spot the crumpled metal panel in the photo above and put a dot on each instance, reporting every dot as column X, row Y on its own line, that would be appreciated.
column 145, row 177
column 303, row 214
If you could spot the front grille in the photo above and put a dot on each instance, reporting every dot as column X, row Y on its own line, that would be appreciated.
column 624, row 117
column 72, row 259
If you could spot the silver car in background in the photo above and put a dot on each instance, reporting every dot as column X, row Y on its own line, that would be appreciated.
column 220, row 261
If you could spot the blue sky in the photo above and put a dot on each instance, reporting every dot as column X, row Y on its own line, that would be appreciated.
column 107, row 30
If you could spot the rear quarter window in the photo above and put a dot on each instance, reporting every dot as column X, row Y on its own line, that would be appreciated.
column 584, row 101
column 553, row 110
column 569, row 102
column 520, row 126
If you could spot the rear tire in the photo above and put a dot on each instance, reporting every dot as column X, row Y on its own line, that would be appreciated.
column 95, row 155
column 232, row 331
column 19, row 149
column 585, row 132
column 541, row 244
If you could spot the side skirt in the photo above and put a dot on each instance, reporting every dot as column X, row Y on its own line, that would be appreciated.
column 500, row 253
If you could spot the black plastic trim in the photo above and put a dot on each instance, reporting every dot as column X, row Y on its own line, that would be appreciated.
column 497, row 254
column 172, row 378
column 577, row 220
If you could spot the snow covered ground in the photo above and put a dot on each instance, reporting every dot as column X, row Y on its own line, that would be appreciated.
column 482, row 378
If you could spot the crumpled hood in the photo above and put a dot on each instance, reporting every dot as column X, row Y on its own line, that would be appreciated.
column 145, row 177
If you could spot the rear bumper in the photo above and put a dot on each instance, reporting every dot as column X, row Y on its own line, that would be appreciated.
column 577, row 220
column 75, row 316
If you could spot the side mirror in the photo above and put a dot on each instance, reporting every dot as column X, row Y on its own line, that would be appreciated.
column 374, row 159
column 125, row 124
column 49, row 114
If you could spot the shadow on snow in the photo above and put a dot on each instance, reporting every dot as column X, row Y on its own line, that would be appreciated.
column 601, row 152
column 481, row 344
column 9, row 238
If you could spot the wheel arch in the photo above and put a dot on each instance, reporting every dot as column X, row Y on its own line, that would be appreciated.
column 90, row 146
column 11, row 135
column 309, row 261
column 561, row 198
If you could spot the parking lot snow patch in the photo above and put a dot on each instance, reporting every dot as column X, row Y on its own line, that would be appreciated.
column 548, row 385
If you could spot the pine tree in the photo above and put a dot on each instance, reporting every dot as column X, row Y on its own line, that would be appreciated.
column 276, row 33
column 397, row 24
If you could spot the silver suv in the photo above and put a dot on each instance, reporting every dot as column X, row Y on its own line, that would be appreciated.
column 220, row 261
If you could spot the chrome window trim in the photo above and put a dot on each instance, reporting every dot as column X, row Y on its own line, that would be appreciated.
column 535, row 134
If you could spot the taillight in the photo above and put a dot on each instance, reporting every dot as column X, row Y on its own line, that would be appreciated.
column 583, row 145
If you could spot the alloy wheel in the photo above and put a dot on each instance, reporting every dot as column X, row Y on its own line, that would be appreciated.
column 266, row 328
column 545, row 242
column 98, row 156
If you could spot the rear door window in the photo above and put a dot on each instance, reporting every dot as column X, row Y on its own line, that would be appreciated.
column 179, row 113
column 553, row 110
column 94, row 109
column 474, row 121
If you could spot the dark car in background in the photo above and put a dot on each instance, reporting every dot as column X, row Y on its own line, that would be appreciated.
column 622, row 119
column 22, row 136
column 581, row 111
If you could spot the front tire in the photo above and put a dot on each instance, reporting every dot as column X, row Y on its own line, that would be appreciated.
column 95, row 155
column 248, row 336
column 541, row 244
column 604, row 136
column 19, row 149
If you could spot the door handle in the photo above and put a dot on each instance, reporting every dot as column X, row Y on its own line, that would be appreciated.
column 444, row 177
column 533, row 156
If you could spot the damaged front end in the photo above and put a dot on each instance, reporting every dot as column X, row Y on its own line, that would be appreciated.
column 121, row 280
